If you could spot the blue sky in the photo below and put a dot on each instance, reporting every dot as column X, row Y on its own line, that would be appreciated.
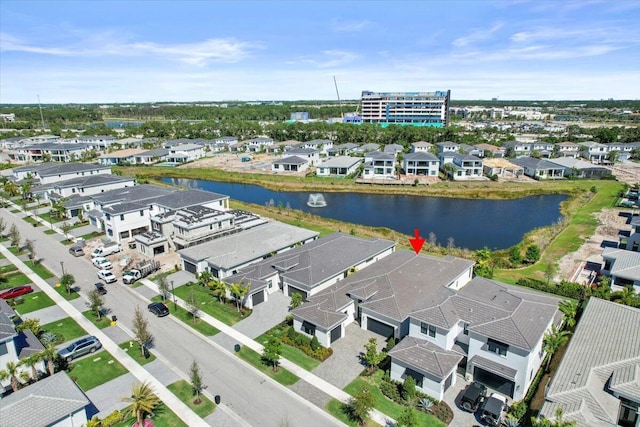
column 117, row 51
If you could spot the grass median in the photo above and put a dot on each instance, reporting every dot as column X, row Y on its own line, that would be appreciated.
column 14, row 279
column 39, row 269
column 34, row 302
column 283, row 376
column 182, row 389
column 180, row 313
column 226, row 313
column 132, row 348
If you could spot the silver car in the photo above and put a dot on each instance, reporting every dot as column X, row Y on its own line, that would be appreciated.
column 79, row 348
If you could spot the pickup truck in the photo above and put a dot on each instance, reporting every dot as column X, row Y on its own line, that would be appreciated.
column 107, row 249
column 143, row 269
column 102, row 263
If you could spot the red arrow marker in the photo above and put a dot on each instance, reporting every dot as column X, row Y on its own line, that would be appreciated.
column 417, row 241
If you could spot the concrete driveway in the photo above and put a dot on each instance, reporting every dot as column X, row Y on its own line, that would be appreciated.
column 265, row 316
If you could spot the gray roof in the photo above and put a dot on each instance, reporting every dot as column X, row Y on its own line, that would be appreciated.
column 92, row 180
column 570, row 162
column 130, row 194
column 377, row 155
column 43, row 403
column 7, row 328
column 237, row 249
column 340, row 162
column 158, row 152
column 392, row 148
column 301, row 151
column 187, row 198
column 27, row 344
column 626, row 264
column 49, row 169
column 605, row 347
column 291, row 160
column 536, row 164
column 425, row 356
column 6, row 309
column 421, row 155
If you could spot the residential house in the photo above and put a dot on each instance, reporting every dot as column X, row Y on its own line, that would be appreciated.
column 471, row 150
column 594, row 151
column 222, row 143
column 88, row 185
column 312, row 156
column 623, row 266
column 227, row 255
column 44, row 152
column 624, row 150
column 342, row 149
column 632, row 243
column 280, row 147
column 447, row 147
column 311, row 268
column 491, row 330
column 365, row 148
column 597, row 381
column 539, row 168
column 491, row 150
column 290, row 164
column 394, row 149
column 121, row 157
column 502, row 168
column 518, row 149
column 255, row 145
column 238, row 147
column 541, row 149
column 581, row 169
column 418, row 146
column 421, row 163
column 322, row 145
column 54, row 401
column 99, row 142
column 379, row 165
column 55, row 172
column 149, row 157
column 568, row 149
column 185, row 153
column 341, row 166
column 460, row 167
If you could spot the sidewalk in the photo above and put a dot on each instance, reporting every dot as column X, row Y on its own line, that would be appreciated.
column 305, row 375
column 176, row 405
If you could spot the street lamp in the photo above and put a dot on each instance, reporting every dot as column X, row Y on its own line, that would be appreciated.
column 174, row 297
column 62, row 267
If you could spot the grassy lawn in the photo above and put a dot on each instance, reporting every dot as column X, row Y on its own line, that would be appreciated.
column 337, row 409
column 104, row 321
column 383, row 404
column 14, row 279
column 163, row 417
column 14, row 210
column 33, row 302
column 39, row 269
column 16, row 250
column 95, row 369
column 135, row 353
column 226, row 313
column 293, row 354
column 63, row 292
column 91, row 235
column 50, row 231
column 66, row 329
column 7, row 268
column 30, row 220
column 50, row 218
column 183, row 390
column 283, row 376
column 199, row 325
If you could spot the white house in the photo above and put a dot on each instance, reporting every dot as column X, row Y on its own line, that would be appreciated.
column 185, row 153
column 322, row 145
column 421, row 163
column 539, row 168
column 340, row 166
column 379, row 165
column 290, row 164
column 594, row 151
column 623, row 266
column 258, row 144
column 311, row 155
column 419, row 146
column 49, row 173
column 461, row 166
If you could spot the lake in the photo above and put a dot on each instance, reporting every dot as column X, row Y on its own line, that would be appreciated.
column 472, row 223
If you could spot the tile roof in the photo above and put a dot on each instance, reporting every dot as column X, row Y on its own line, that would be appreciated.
column 120, row 154
column 626, row 264
column 50, row 169
column 7, row 327
column 495, row 367
column 421, row 155
column 92, row 180
column 425, row 356
column 27, row 344
column 340, row 162
column 604, row 347
column 186, row 198
column 537, row 164
column 291, row 160
column 43, row 403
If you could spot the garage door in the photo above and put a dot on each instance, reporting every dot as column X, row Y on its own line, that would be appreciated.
column 496, row 382
column 379, row 328
column 257, row 298
column 293, row 290
column 336, row 333
column 190, row 267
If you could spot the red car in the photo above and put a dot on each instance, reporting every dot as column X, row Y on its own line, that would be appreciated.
column 16, row 292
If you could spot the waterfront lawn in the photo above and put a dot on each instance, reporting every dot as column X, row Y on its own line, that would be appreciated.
column 162, row 416
column 136, row 354
column 384, row 405
column 105, row 321
column 340, row 411
column 180, row 313
column 14, row 279
column 39, row 269
column 33, row 302
column 65, row 329
column 290, row 353
column 283, row 376
column 226, row 313
column 95, row 369
column 182, row 389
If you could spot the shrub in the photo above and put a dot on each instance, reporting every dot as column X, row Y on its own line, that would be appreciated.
column 518, row 409
column 112, row 419
column 390, row 344
column 391, row 390
column 291, row 334
column 314, row 344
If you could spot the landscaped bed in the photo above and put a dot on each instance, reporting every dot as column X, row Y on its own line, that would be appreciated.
column 104, row 321
column 296, row 347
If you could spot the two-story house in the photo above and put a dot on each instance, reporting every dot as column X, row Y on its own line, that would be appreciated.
column 624, row 268
column 568, row 149
column 460, row 166
column 379, row 165
column 594, row 151
column 421, row 163
column 341, row 166
column 311, row 155
column 255, row 145
column 185, row 153
column 419, row 146
column 54, row 172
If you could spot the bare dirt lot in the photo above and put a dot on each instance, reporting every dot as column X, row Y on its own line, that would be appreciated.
column 259, row 163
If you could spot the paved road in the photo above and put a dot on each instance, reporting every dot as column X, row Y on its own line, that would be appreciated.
column 251, row 395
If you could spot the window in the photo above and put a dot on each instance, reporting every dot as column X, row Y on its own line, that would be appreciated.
column 122, row 217
column 3, row 348
column 308, row 328
column 465, row 329
column 427, row 329
column 497, row 347
column 141, row 213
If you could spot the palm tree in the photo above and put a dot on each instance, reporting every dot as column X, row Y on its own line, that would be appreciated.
column 94, row 422
column 50, row 354
column 570, row 309
column 12, row 371
column 204, row 278
column 552, row 341
column 11, row 188
column 142, row 401
column 32, row 362
column 626, row 296
column 239, row 292
column 219, row 290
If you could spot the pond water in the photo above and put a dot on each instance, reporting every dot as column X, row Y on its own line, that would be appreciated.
column 472, row 223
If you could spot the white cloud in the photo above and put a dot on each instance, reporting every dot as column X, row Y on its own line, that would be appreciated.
column 328, row 59
column 477, row 36
column 340, row 26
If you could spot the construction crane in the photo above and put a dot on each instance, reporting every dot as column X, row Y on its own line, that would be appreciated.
column 338, row 93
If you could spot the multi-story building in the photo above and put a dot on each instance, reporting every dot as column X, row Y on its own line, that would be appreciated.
column 379, row 165
column 421, row 163
column 417, row 108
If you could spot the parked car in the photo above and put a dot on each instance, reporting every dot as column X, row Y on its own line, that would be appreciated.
column 100, row 288
column 16, row 292
column 108, row 249
column 473, row 396
column 107, row 276
column 79, row 348
column 76, row 251
column 158, row 308
column 492, row 409
column 102, row 263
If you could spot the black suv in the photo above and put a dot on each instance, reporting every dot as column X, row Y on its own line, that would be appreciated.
column 473, row 396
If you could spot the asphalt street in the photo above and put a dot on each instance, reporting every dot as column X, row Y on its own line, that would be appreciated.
column 252, row 396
